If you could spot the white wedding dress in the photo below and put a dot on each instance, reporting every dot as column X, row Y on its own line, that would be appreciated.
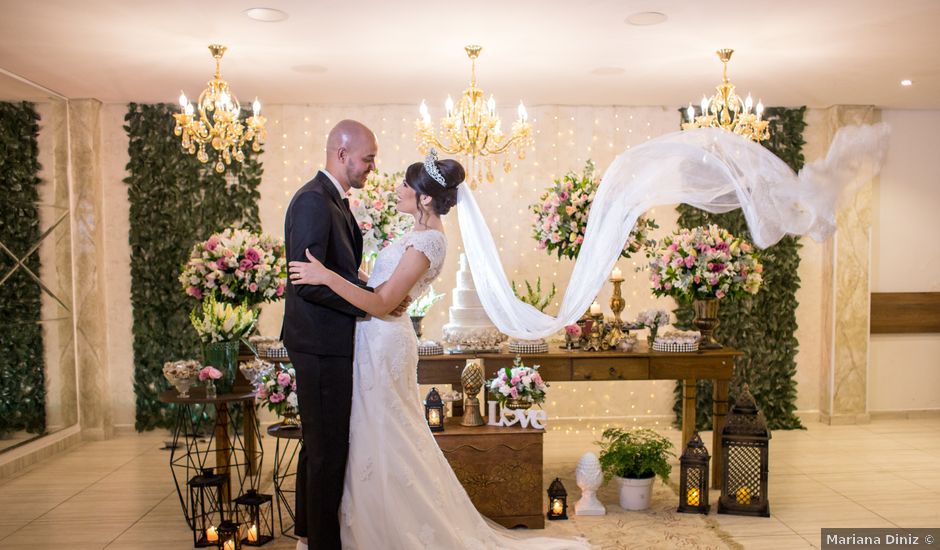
column 400, row 492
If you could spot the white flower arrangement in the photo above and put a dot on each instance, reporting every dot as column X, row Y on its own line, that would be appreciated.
column 222, row 322
column 420, row 307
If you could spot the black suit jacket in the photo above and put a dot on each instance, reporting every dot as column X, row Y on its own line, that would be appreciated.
column 316, row 319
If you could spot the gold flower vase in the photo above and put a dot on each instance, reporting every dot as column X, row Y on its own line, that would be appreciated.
column 706, row 321
column 518, row 404
column 291, row 418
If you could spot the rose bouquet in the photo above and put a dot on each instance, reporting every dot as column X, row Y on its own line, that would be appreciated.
column 243, row 267
column 562, row 212
column 704, row 262
column 378, row 218
column 277, row 390
column 222, row 322
column 518, row 383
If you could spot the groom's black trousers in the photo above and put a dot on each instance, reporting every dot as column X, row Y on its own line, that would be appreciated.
column 324, row 392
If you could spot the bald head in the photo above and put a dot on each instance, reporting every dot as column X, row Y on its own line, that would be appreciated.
column 350, row 153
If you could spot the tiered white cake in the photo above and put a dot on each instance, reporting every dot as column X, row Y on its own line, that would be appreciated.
column 469, row 328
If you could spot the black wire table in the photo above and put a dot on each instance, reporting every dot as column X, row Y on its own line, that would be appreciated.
column 207, row 435
column 285, row 472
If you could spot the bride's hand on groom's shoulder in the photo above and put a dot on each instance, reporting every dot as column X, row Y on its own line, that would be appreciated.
column 311, row 272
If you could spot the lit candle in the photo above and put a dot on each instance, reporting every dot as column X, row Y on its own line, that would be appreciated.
column 256, row 107
column 743, row 495
column 491, row 105
column 595, row 308
column 748, row 103
column 704, row 106
column 693, row 497
column 616, row 274
column 557, row 507
column 760, row 109
column 523, row 115
column 690, row 113
column 449, row 107
column 253, row 533
column 183, row 101
column 434, row 417
column 423, row 111
column 229, row 545
column 211, row 534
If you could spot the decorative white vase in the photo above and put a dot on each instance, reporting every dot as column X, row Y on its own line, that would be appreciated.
column 635, row 494
column 589, row 477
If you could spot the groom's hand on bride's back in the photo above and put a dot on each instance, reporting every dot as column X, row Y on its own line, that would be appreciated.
column 402, row 307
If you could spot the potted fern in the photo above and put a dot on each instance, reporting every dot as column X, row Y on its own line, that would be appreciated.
column 535, row 298
column 634, row 458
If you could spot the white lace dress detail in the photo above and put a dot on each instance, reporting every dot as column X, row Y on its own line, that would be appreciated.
column 400, row 493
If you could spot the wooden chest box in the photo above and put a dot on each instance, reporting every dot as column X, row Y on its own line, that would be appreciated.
column 501, row 469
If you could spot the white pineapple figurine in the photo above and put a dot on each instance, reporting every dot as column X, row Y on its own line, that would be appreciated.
column 589, row 477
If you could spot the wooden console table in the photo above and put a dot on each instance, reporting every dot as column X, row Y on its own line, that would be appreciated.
column 562, row 365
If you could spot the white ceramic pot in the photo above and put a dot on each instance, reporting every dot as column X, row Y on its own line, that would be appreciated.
column 635, row 494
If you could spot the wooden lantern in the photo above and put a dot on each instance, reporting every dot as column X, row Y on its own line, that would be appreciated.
column 228, row 536
column 693, row 477
column 557, row 501
column 434, row 411
column 255, row 512
column 206, row 507
column 745, row 442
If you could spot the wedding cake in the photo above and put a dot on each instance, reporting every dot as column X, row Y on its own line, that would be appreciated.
column 469, row 327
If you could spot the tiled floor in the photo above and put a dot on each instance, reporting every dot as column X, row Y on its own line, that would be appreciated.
column 118, row 494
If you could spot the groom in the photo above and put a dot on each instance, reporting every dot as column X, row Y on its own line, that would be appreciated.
column 319, row 328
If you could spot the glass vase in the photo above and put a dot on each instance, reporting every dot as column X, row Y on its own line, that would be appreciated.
column 223, row 356
column 211, row 392
column 416, row 323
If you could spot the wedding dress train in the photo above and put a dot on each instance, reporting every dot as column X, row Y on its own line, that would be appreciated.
column 400, row 492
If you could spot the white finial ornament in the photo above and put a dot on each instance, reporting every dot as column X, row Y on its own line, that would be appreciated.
column 589, row 477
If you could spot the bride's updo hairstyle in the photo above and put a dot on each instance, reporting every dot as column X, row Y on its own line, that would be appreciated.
column 443, row 196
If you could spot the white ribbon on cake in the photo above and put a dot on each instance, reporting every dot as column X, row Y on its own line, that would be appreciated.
column 707, row 168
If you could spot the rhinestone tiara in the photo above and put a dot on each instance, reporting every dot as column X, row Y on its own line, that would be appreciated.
column 430, row 167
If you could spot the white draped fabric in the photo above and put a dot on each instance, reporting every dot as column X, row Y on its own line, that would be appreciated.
column 710, row 169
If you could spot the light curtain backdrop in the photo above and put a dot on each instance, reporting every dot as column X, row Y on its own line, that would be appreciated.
column 566, row 136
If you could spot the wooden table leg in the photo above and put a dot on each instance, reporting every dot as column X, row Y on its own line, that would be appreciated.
column 249, row 428
column 688, row 411
column 223, row 448
column 719, row 416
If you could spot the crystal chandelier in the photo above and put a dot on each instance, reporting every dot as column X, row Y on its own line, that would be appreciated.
column 473, row 130
column 727, row 110
column 218, row 123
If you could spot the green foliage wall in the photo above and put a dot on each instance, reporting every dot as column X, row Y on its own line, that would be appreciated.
column 175, row 201
column 22, row 364
column 763, row 326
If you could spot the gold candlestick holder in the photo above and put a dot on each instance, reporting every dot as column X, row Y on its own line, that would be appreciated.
column 616, row 301
column 596, row 340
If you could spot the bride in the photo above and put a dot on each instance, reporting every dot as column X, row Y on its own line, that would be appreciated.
column 400, row 492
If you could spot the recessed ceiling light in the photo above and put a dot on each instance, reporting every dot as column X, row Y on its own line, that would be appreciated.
column 309, row 69
column 646, row 18
column 907, row 82
column 608, row 71
column 268, row 15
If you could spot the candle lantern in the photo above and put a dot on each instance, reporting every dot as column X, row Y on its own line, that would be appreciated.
column 557, row 500
column 693, row 477
column 228, row 536
column 206, row 507
column 745, row 442
column 434, row 411
column 255, row 512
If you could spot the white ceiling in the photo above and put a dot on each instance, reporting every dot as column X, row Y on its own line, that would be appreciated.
column 794, row 52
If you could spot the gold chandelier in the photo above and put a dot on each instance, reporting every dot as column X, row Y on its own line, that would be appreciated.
column 474, row 130
column 218, row 124
column 728, row 111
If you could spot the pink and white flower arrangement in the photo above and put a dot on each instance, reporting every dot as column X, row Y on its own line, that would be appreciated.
column 277, row 389
column 239, row 265
column 375, row 211
column 573, row 331
column 704, row 262
column 518, row 382
column 209, row 373
column 562, row 212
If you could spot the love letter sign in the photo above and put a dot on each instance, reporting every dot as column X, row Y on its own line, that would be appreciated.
column 509, row 417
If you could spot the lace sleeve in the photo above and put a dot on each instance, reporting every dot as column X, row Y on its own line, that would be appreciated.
column 433, row 245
